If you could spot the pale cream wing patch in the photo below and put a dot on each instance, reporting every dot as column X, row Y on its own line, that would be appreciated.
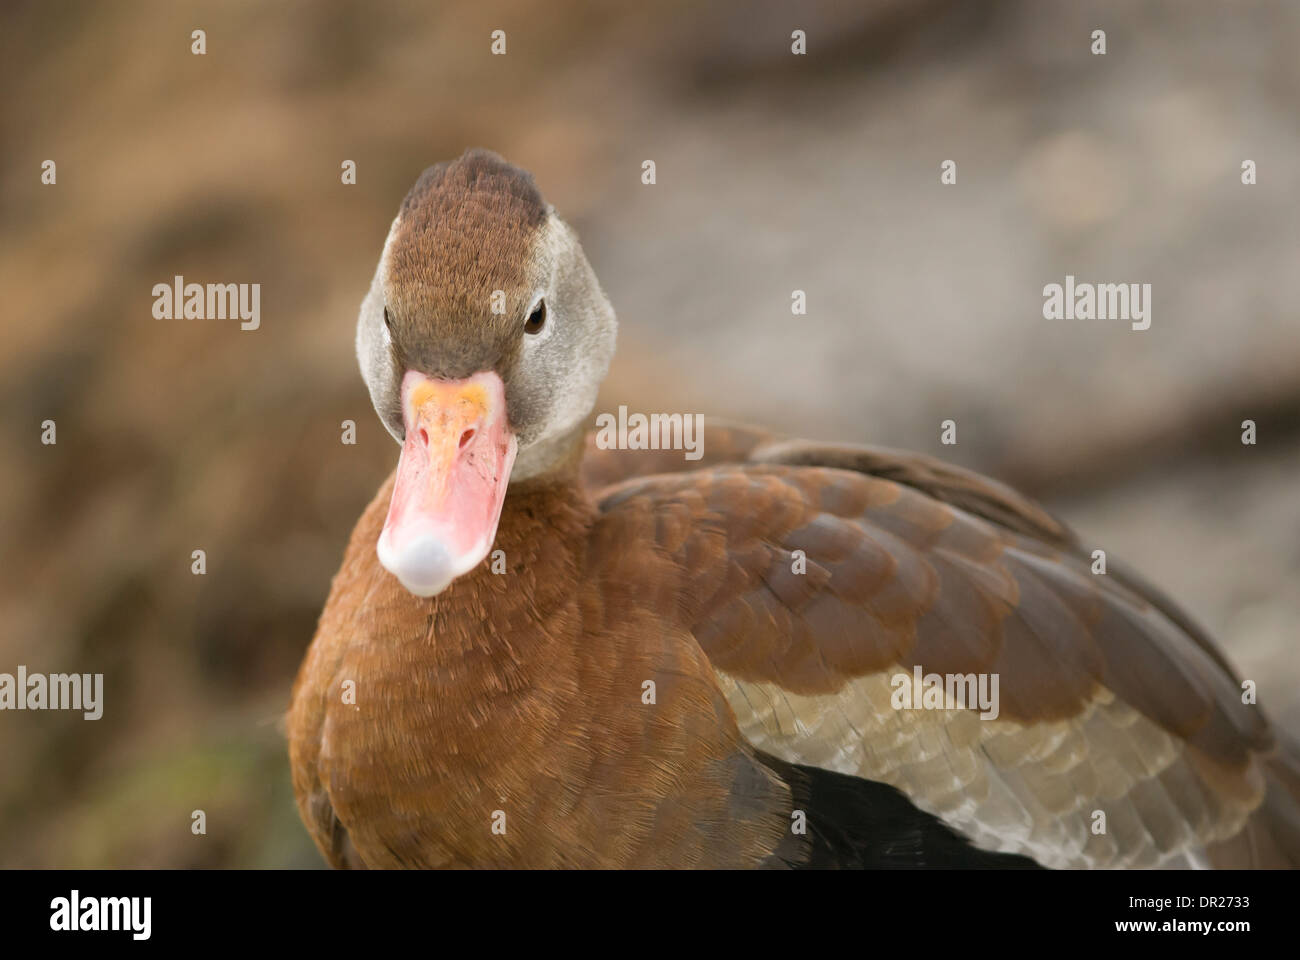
column 1026, row 789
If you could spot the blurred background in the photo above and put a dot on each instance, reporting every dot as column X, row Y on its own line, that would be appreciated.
column 775, row 173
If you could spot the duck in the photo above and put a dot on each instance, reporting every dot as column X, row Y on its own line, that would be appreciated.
column 543, row 652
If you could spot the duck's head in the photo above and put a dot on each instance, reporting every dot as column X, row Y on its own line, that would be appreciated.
column 483, row 341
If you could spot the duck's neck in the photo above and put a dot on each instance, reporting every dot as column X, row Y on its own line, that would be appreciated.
column 520, row 600
column 552, row 460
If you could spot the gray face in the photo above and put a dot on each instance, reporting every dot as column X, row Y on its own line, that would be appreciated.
column 447, row 319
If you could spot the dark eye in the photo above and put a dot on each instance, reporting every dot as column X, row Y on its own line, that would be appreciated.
column 388, row 321
column 537, row 319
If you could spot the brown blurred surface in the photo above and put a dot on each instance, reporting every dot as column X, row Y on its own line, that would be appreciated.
column 774, row 173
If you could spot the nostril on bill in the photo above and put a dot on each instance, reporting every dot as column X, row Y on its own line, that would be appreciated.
column 466, row 437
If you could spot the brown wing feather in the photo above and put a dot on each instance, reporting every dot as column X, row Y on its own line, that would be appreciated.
column 730, row 443
column 1107, row 700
